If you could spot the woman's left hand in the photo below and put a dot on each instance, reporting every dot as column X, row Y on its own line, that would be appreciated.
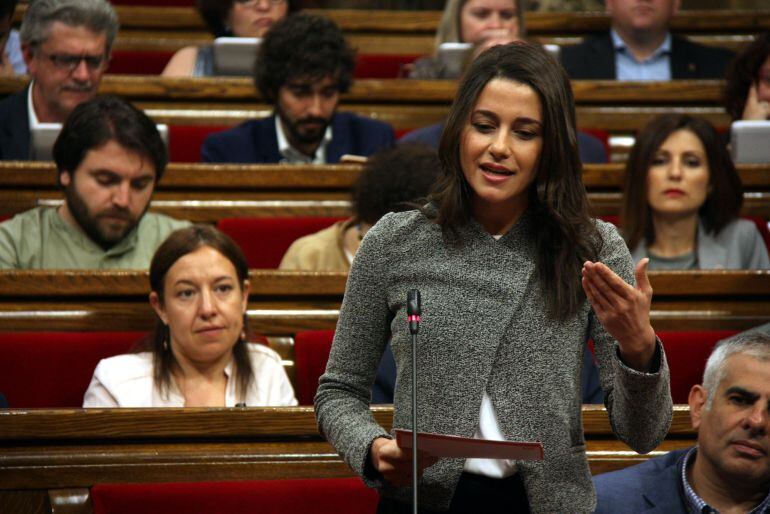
column 623, row 310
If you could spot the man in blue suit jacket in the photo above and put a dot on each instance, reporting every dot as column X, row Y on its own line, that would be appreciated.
column 729, row 469
column 303, row 66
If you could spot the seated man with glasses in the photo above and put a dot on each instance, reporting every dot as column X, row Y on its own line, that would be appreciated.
column 66, row 45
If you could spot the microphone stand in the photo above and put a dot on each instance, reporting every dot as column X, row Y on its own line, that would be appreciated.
column 414, row 423
column 413, row 316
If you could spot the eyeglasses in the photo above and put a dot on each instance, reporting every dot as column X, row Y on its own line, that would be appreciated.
column 66, row 62
column 252, row 3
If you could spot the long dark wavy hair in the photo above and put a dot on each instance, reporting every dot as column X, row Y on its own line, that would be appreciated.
column 723, row 203
column 742, row 72
column 176, row 246
column 566, row 235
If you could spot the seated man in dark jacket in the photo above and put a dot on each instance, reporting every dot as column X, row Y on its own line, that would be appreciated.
column 729, row 469
column 639, row 46
column 303, row 65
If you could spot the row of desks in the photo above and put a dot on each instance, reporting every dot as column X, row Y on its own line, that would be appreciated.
column 281, row 303
column 610, row 106
column 412, row 32
column 53, row 456
column 207, row 192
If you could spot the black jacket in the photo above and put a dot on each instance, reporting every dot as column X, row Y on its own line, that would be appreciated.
column 594, row 59
column 14, row 127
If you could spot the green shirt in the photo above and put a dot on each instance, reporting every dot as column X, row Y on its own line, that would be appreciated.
column 41, row 239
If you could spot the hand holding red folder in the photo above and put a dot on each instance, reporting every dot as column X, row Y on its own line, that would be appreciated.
column 395, row 462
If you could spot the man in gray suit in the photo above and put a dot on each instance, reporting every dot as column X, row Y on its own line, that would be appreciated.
column 729, row 469
column 66, row 46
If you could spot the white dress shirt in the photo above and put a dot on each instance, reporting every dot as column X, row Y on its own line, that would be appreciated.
column 127, row 381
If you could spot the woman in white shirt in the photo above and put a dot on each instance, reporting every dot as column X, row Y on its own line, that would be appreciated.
column 198, row 355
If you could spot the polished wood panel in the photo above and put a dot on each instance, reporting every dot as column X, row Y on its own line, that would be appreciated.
column 282, row 303
column 207, row 193
column 426, row 22
column 51, row 449
column 401, row 91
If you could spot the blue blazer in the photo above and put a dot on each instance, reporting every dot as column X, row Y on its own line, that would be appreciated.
column 591, row 149
column 14, row 127
column 653, row 487
column 255, row 141
column 594, row 59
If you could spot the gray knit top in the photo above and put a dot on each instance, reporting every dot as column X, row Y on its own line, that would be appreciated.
column 484, row 327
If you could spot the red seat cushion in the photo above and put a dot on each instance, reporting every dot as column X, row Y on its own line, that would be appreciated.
column 53, row 369
column 139, row 62
column 376, row 66
column 687, row 353
column 185, row 141
column 318, row 496
column 265, row 240
column 311, row 351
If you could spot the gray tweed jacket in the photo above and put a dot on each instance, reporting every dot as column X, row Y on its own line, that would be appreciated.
column 483, row 327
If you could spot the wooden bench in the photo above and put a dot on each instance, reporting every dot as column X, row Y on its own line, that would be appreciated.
column 49, row 458
column 207, row 193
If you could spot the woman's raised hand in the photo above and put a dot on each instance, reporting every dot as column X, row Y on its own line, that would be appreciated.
column 623, row 310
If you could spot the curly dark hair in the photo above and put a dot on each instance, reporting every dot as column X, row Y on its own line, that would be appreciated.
column 214, row 13
column 742, row 72
column 723, row 203
column 303, row 45
column 393, row 180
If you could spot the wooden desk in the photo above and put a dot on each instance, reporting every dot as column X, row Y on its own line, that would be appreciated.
column 405, row 104
column 412, row 32
column 207, row 193
column 46, row 455
column 283, row 302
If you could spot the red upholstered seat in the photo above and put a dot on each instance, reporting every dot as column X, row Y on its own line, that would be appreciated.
column 185, row 141
column 139, row 62
column 265, row 240
column 317, row 496
column 687, row 354
column 311, row 351
column 53, row 369
column 375, row 66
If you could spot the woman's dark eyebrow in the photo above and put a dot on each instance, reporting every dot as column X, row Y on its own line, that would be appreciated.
column 488, row 114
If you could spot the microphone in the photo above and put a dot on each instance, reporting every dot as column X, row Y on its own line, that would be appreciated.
column 413, row 310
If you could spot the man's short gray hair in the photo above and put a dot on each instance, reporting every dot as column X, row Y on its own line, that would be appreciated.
column 97, row 15
column 753, row 344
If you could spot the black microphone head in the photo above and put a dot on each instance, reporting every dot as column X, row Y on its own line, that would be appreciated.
column 413, row 303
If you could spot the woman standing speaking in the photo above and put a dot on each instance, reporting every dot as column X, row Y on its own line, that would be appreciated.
column 515, row 278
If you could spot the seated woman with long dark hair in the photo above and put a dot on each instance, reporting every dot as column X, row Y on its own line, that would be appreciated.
column 199, row 354
column 682, row 197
